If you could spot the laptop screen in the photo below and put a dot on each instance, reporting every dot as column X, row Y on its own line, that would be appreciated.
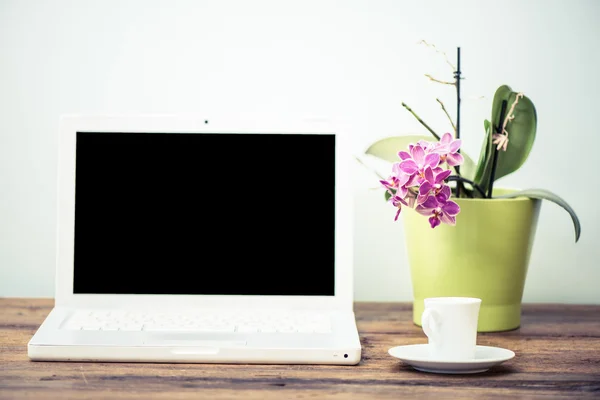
column 204, row 213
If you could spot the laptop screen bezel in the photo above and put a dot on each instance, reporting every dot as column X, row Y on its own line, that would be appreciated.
column 71, row 124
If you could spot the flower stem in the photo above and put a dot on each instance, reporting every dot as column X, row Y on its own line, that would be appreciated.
column 431, row 78
column 447, row 115
column 421, row 121
column 437, row 51
column 457, row 79
column 457, row 178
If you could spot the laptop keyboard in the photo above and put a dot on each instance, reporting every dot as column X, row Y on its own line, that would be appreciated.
column 229, row 322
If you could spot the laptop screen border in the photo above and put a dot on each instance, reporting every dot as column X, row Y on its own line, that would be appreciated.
column 71, row 124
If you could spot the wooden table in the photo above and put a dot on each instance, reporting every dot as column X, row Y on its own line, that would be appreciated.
column 557, row 356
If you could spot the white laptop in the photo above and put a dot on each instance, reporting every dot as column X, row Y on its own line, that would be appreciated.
column 202, row 240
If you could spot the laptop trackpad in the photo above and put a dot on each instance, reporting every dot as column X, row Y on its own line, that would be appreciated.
column 204, row 343
column 187, row 340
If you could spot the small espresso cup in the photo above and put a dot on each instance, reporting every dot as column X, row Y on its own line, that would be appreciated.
column 450, row 324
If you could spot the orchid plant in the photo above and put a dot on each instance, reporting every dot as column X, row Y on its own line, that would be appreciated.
column 419, row 180
column 422, row 169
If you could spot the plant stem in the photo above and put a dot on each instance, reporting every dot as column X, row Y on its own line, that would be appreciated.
column 457, row 78
column 497, row 129
column 437, row 51
column 374, row 171
column 447, row 115
column 457, row 178
column 421, row 121
column 457, row 128
column 431, row 78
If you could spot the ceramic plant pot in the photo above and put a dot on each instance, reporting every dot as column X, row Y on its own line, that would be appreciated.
column 485, row 255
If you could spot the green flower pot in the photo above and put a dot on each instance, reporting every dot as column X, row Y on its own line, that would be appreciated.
column 485, row 255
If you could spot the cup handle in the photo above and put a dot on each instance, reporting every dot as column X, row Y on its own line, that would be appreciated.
column 430, row 322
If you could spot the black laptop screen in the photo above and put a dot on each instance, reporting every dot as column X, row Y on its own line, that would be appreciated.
column 216, row 214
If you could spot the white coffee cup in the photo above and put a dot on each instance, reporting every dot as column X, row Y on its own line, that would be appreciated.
column 450, row 323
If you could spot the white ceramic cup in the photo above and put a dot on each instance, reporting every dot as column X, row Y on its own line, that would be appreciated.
column 450, row 323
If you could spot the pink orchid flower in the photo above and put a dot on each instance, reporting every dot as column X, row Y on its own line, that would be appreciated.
column 448, row 149
column 415, row 164
column 418, row 180
column 439, row 212
column 398, row 202
column 433, row 185
column 395, row 184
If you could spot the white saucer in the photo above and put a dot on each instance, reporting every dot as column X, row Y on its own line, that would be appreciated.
column 417, row 356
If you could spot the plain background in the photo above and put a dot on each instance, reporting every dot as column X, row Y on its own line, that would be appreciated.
column 354, row 59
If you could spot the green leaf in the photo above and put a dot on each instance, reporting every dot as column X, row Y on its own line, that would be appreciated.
column 502, row 93
column 467, row 168
column 387, row 149
column 484, row 155
column 521, row 134
column 547, row 195
column 486, row 125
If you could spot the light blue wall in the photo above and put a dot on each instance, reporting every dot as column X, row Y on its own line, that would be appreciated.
column 346, row 59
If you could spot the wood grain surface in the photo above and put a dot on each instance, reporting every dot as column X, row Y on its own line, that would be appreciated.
column 557, row 356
